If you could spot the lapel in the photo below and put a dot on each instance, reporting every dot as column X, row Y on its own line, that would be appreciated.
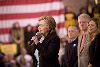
column 73, row 47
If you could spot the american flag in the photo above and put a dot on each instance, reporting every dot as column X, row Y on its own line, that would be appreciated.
column 27, row 12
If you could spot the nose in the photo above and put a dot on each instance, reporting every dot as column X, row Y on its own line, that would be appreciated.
column 81, row 23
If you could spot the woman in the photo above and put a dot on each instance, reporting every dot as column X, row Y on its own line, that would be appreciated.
column 48, row 44
column 94, row 48
column 17, row 35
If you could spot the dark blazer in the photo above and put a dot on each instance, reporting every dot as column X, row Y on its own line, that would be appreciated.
column 94, row 51
column 48, row 51
column 70, row 56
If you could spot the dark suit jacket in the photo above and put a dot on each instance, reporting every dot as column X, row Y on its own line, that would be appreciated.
column 70, row 56
column 94, row 51
column 48, row 51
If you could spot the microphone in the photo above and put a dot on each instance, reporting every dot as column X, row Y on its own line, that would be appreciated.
column 38, row 35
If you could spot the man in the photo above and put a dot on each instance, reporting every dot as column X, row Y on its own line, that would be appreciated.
column 83, row 48
column 70, row 56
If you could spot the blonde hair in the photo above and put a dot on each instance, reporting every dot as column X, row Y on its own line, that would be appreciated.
column 50, row 20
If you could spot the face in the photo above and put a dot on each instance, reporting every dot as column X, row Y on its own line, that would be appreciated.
column 92, row 27
column 43, row 27
column 72, row 32
column 29, row 28
column 83, row 24
column 17, row 25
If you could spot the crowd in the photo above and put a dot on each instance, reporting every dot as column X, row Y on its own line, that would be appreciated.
column 79, row 48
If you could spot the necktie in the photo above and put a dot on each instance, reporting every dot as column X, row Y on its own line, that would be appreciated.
column 83, row 42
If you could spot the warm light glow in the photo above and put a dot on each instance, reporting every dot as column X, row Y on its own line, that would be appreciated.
column 96, row 1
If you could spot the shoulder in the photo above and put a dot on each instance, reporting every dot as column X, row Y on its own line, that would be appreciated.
column 28, row 57
column 53, row 35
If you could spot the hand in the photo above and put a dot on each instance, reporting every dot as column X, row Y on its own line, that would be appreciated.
column 35, row 39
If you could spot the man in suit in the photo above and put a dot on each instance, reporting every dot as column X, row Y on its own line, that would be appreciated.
column 70, row 55
column 83, row 48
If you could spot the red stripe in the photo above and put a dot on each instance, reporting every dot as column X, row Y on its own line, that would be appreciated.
column 29, row 15
column 8, row 30
column 60, row 25
column 5, row 31
column 22, row 2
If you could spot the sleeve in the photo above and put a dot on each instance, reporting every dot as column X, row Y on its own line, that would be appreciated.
column 49, row 49
column 97, row 48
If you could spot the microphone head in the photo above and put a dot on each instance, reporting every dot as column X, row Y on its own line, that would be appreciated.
column 38, row 34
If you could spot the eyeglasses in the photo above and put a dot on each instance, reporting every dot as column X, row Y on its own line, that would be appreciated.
column 43, row 25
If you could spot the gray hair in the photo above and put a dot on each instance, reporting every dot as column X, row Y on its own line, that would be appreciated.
column 85, row 16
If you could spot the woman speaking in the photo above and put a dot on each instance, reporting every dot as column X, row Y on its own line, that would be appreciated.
column 47, row 42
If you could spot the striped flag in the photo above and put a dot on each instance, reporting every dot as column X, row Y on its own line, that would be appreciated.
column 27, row 12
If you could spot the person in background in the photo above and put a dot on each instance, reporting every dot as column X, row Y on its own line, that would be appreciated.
column 94, row 43
column 96, row 11
column 61, row 51
column 48, row 44
column 24, row 59
column 83, row 47
column 9, row 60
column 2, row 59
column 70, row 55
column 28, row 33
column 17, row 35
column 70, row 18
column 83, row 10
